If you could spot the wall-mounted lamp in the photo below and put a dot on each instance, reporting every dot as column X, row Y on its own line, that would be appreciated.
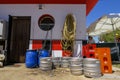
column 41, row 6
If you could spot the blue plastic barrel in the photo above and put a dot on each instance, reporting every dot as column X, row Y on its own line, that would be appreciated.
column 42, row 53
column 31, row 58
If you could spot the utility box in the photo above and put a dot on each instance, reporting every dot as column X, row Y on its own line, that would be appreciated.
column 3, row 29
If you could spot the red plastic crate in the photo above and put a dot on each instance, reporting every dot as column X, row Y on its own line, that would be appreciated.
column 89, row 50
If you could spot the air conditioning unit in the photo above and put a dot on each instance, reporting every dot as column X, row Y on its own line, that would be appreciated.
column 3, row 29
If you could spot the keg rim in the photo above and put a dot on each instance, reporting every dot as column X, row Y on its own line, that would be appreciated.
column 76, row 58
column 93, row 59
column 45, row 58
column 76, row 65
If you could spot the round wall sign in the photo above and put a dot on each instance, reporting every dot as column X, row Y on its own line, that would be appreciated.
column 46, row 22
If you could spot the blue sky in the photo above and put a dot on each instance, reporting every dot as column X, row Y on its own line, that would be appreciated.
column 103, row 7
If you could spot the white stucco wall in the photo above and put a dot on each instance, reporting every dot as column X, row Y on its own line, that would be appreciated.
column 58, row 11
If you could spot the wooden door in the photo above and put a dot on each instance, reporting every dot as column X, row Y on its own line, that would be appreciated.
column 19, row 40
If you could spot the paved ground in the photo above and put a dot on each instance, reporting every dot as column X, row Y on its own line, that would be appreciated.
column 20, row 72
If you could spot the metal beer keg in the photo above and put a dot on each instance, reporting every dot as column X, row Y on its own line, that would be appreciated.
column 76, row 66
column 45, row 63
column 65, row 62
column 91, row 67
column 56, row 61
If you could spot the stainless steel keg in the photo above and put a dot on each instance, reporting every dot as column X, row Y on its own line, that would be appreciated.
column 65, row 62
column 46, row 63
column 91, row 67
column 76, row 66
column 56, row 61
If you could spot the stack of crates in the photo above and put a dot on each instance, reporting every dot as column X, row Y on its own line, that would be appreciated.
column 88, row 51
column 103, row 54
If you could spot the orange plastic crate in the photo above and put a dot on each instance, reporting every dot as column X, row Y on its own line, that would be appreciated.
column 103, row 54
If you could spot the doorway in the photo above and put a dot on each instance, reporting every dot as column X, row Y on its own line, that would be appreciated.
column 18, row 38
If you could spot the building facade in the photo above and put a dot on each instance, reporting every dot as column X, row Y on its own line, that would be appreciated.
column 23, row 24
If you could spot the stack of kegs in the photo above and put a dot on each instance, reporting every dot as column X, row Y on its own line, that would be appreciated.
column 46, row 64
column 76, row 65
column 91, row 67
